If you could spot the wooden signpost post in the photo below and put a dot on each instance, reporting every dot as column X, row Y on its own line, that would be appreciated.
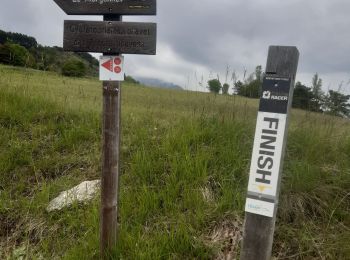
column 268, row 152
column 111, row 37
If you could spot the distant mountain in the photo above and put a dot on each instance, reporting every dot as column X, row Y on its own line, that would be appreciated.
column 157, row 83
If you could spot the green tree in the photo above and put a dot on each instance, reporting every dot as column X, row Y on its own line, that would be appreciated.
column 3, row 37
column 252, row 89
column 214, row 86
column 225, row 88
column 21, row 39
column 17, row 55
column 252, row 85
column 302, row 97
column 92, row 61
column 74, row 68
column 336, row 103
column 259, row 73
column 238, row 88
column 317, row 93
column 317, row 86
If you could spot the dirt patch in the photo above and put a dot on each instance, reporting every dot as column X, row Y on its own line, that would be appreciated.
column 7, row 225
column 211, row 191
column 207, row 194
column 226, row 236
column 17, row 232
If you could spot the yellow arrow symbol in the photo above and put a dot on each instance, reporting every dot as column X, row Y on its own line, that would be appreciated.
column 262, row 187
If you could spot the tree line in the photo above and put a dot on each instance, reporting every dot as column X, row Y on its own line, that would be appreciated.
column 22, row 50
column 311, row 98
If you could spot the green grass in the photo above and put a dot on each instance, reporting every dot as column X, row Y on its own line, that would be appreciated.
column 185, row 159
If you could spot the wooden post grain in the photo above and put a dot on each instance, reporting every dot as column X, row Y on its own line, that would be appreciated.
column 258, row 231
column 110, row 161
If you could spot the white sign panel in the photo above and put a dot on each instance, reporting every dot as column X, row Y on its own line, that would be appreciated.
column 112, row 68
column 267, row 153
column 260, row 207
column 265, row 164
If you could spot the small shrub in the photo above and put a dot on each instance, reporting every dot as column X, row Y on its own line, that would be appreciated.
column 214, row 86
column 225, row 88
column 130, row 79
column 74, row 68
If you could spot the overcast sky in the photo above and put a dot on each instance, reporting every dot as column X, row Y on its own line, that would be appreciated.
column 198, row 39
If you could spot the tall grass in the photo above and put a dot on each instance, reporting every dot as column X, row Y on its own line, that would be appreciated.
column 185, row 159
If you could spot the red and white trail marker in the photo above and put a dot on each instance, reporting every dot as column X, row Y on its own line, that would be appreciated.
column 112, row 68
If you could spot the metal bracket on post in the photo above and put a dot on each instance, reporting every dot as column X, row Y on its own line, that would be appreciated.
column 268, row 152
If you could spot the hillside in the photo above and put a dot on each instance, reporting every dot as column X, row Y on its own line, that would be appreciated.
column 185, row 159
column 158, row 83
column 24, row 51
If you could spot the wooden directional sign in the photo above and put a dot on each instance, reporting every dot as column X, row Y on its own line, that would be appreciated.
column 103, row 7
column 110, row 37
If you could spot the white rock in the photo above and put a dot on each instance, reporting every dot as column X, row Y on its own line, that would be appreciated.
column 84, row 192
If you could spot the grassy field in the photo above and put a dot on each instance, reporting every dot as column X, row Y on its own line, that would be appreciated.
column 185, row 159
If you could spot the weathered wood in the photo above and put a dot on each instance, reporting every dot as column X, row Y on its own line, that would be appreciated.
column 110, row 161
column 110, row 165
column 110, row 37
column 103, row 7
column 259, row 227
column 282, row 61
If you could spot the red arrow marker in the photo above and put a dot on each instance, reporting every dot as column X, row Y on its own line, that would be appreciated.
column 108, row 65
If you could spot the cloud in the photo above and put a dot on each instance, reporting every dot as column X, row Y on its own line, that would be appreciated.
column 202, row 37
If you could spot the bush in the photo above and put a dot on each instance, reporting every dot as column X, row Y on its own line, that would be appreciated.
column 74, row 68
column 225, row 88
column 214, row 86
column 302, row 97
column 130, row 79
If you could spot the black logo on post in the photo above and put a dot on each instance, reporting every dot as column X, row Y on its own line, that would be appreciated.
column 275, row 93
